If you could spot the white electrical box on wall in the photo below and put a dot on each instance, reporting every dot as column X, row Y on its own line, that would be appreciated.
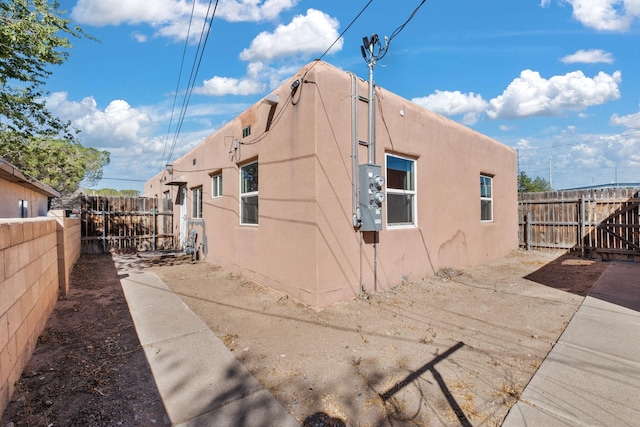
column 371, row 197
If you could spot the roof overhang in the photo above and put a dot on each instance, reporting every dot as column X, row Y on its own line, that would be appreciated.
column 181, row 180
column 10, row 173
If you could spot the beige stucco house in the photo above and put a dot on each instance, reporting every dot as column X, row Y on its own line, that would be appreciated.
column 279, row 194
column 22, row 196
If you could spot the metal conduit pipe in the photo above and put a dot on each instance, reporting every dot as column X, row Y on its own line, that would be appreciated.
column 355, row 185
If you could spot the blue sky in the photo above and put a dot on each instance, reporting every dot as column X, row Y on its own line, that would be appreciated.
column 556, row 79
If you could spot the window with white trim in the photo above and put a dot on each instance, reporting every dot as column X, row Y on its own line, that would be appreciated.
column 249, row 194
column 196, row 202
column 401, row 191
column 216, row 185
column 486, row 198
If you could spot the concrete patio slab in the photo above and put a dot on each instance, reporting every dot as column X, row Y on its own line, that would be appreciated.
column 592, row 375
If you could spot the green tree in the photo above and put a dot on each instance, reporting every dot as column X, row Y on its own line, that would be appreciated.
column 528, row 185
column 60, row 163
column 107, row 192
column 129, row 193
column 34, row 37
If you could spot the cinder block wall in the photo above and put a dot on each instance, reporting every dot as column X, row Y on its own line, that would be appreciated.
column 31, row 277
column 69, row 238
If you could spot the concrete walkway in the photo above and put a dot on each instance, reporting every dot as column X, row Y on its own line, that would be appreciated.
column 200, row 381
column 592, row 375
column 590, row 378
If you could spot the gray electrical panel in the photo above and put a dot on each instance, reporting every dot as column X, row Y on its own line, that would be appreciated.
column 371, row 197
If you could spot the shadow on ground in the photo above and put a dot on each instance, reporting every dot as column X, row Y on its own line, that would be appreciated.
column 88, row 367
column 569, row 273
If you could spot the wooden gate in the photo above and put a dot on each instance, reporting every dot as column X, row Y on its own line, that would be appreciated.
column 126, row 224
column 603, row 223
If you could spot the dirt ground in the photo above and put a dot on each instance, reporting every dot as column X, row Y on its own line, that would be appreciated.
column 454, row 349
column 88, row 368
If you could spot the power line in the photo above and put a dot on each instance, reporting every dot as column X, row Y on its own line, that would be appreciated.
column 551, row 146
column 277, row 118
column 194, row 72
column 346, row 29
column 368, row 49
column 401, row 27
column 175, row 97
column 122, row 179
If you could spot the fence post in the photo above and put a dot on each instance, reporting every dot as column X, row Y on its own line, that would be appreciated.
column 582, row 227
column 104, row 231
column 527, row 227
column 155, row 219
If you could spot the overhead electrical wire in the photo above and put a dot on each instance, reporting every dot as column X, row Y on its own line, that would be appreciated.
column 346, row 29
column 175, row 96
column 202, row 43
column 277, row 118
column 401, row 27
column 196, row 66
column 368, row 47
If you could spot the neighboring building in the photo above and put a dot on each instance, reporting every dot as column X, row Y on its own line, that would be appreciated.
column 451, row 193
column 22, row 196
column 603, row 186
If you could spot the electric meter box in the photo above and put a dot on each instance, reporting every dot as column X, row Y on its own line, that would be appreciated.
column 371, row 197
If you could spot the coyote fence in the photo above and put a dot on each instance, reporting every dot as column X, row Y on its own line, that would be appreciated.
column 126, row 224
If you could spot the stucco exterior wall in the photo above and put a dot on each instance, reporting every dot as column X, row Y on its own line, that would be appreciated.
column 305, row 243
column 13, row 192
column 31, row 277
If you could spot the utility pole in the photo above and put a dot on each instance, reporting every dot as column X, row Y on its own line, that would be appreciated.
column 371, row 56
column 550, row 175
column 372, row 180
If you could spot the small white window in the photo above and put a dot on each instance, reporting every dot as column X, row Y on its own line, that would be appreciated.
column 401, row 191
column 249, row 194
column 216, row 185
column 486, row 198
column 196, row 202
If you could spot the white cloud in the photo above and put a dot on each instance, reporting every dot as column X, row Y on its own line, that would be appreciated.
column 172, row 17
column 532, row 95
column 544, row 3
column 591, row 156
column 116, row 12
column 305, row 35
column 121, row 124
column 591, row 56
column 253, row 10
column 606, row 15
column 470, row 105
column 526, row 151
column 139, row 37
column 118, row 123
column 631, row 121
column 218, row 86
column 258, row 74
column 579, row 159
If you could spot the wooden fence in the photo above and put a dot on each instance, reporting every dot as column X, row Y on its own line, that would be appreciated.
column 126, row 224
column 602, row 223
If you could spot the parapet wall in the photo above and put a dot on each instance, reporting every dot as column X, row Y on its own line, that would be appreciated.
column 36, row 257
